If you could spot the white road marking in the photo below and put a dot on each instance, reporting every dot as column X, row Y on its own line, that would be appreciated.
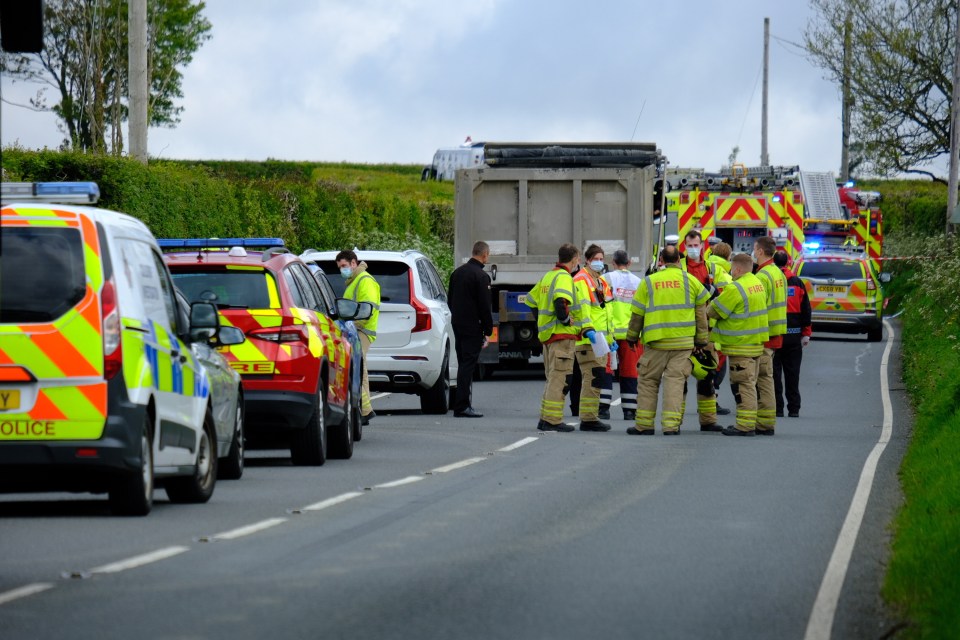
column 458, row 465
column 323, row 504
column 380, row 395
column 616, row 402
column 23, row 592
column 398, row 483
column 820, row 624
column 246, row 530
column 518, row 444
column 141, row 560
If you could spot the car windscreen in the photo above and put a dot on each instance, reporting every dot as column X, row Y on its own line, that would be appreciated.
column 393, row 278
column 225, row 288
column 42, row 273
column 838, row 270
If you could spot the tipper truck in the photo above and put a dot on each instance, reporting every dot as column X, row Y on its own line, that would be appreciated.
column 529, row 199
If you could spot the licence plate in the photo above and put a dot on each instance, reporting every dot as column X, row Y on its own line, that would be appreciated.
column 829, row 289
column 9, row 399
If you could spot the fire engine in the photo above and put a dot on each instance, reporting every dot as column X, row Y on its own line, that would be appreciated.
column 804, row 211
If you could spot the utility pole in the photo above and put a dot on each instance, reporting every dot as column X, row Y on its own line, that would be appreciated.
column 764, row 157
column 139, row 95
column 847, row 102
column 954, row 134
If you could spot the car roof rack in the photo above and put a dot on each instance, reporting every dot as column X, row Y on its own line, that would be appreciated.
column 50, row 192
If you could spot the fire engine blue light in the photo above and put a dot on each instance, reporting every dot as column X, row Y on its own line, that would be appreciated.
column 775, row 198
column 218, row 243
column 811, row 245
column 848, row 183
column 67, row 188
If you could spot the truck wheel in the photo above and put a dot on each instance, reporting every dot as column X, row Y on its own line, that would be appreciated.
column 198, row 487
column 434, row 400
column 232, row 466
column 309, row 445
column 132, row 495
column 341, row 438
column 875, row 335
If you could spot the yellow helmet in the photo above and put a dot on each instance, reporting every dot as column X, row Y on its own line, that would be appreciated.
column 703, row 363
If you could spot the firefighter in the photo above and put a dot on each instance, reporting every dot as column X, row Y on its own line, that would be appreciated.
column 787, row 359
column 669, row 309
column 720, row 259
column 775, row 285
column 559, row 326
column 362, row 287
column 589, row 376
column 741, row 315
column 694, row 264
column 623, row 284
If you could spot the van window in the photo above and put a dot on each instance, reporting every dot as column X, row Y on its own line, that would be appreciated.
column 55, row 280
column 393, row 278
column 232, row 289
column 846, row 270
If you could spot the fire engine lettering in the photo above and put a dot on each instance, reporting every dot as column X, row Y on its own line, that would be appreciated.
column 27, row 428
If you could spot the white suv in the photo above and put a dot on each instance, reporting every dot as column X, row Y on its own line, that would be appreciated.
column 414, row 350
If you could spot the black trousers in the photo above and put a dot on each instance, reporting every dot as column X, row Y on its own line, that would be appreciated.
column 469, row 343
column 786, row 374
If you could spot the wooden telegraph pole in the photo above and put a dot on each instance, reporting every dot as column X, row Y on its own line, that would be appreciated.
column 139, row 93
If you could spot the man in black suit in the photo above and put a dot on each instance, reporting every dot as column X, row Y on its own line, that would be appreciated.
column 469, row 300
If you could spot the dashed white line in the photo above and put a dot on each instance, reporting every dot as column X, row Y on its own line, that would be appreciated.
column 457, row 465
column 380, row 395
column 398, row 483
column 23, row 592
column 139, row 561
column 518, row 444
column 329, row 502
column 239, row 532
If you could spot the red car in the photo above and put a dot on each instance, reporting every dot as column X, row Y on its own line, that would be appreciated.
column 299, row 384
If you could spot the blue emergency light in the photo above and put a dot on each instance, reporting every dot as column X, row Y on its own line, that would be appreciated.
column 55, row 192
column 218, row 243
column 811, row 245
column 848, row 183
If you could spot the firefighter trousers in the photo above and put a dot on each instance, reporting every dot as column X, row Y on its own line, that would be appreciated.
column 558, row 366
column 673, row 368
column 592, row 372
column 786, row 375
column 766, row 396
column 706, row 394
column 743, row 383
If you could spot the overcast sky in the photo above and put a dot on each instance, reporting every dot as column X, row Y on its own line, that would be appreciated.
column 390, row 81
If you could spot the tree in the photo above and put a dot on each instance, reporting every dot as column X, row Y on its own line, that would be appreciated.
column 85, row 61
column 900, row 74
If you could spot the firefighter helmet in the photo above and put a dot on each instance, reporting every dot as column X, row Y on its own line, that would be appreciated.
column 703, row 363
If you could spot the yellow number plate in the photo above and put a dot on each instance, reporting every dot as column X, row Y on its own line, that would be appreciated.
column 9, row 399
column 825, row 289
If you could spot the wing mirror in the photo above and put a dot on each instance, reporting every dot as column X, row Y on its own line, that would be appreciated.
column 885, row 277
column 230, row 335
column 353, row 310
column 204, row 321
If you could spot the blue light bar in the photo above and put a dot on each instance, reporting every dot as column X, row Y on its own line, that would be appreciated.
column 848, row 183
column 52, row 192
column 218, row 243
column 811, row 245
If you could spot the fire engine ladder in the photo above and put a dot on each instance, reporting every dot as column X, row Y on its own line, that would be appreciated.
column 821, row 201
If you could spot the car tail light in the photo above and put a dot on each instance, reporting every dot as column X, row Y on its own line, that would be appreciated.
column 110, row 321
column 289, row 333
column 424, row 320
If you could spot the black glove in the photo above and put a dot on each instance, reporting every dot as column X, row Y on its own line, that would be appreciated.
column 633, row 343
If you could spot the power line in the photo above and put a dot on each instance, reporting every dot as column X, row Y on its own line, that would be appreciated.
column 749, row 104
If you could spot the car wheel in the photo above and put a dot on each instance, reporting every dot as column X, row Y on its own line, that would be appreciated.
column 434, row 400
column 198, row 487
column 309, row 445
column 132, row 495
column 357, row 422
column 875, row 335
column 341, row 438
column 231, row 468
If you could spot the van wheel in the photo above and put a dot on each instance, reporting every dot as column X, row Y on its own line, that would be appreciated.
column 232, row 466
column 198, row 487
column 132, row 495
column 355, row 411
column 434, row 400
column 309, row 445
column 341, row 439
column 875, row 335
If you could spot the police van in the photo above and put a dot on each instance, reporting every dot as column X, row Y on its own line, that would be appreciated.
column 99, row 389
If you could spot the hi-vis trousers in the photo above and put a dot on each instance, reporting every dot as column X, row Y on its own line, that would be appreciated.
column 558, row 366
column 743, row 383
column 592, row 370
column 766, row 393
column 673, row 367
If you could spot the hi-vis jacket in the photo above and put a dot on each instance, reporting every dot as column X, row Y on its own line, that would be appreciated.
column 593, row 295
column 623, row 285
column 741, row 312
column 555, row 285
column 363, row 287
column 669, row 307
column 776, row 285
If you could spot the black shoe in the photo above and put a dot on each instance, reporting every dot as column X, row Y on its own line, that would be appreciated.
column 365, row 420
column 604, row 414
column 469, row 412
column 710, row 427
column 722, row 412
column 671, row 432
column 594, row 425
column 629, row 414
column 764, row 432
column 794, row 414
column 779, row 413
column 543, row 425
column 733, row 431
column 640, row 432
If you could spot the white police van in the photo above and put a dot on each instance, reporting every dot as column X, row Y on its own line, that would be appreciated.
column 99, row 389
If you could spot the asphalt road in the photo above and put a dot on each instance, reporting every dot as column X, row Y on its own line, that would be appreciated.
column 446, row 527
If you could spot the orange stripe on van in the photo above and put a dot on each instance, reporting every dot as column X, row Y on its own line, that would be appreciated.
column 45, row 409
column 97, row 395
column 67, row 357
column 14, row 373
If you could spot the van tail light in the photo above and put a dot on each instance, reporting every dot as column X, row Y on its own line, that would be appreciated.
column 110, row 321
column 284, row 334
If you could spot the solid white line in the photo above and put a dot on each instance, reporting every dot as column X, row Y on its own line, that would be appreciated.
column 23, row 592
column 139, row 561
column 248, row 529
column 820, row 624
column 329, row 502
column 458, row 465
column 380, row 395
column 518, row 444
column 397, row 483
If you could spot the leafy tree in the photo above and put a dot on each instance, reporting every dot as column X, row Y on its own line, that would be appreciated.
column 84, row 61
column 900, row 70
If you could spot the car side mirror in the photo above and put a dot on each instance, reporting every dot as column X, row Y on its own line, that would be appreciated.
column 885, row 277
column 353, row 310
column 230, row 335
column 204, row 321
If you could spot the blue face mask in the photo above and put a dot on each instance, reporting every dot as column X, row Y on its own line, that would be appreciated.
column 597, row 265
column 346, row 272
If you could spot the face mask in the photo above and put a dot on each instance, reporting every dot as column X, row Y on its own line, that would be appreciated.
column 346, row 272
column 597, row 265
column 693, row 253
